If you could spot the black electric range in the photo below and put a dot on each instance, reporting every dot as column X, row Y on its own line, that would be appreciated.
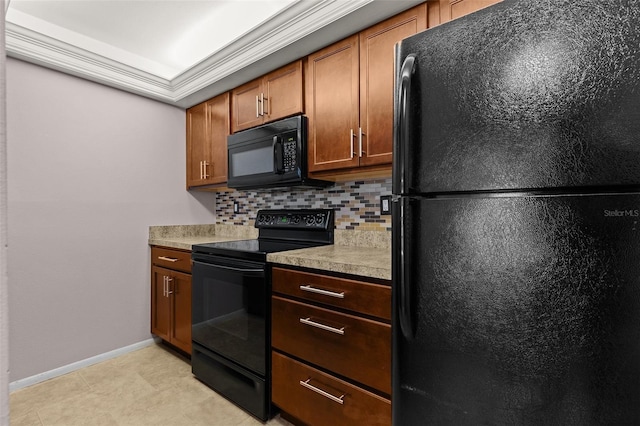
column 231, row 287
column 278, row 230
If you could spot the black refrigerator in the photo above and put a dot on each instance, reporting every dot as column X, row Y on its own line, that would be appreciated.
column 516, row 209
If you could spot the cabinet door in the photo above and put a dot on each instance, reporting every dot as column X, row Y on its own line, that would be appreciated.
column 246, row 109
column 332, row 99
column 452, row 9
column 218, row 121
column 283, row 92
column 377, row 43
column 160, row 303
column 181, row 310
column 197, row 141
column 207, row 131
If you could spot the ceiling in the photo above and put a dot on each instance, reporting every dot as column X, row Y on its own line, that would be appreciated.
column 181, row 52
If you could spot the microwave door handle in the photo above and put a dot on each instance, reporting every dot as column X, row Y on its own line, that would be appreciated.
column 278, row 155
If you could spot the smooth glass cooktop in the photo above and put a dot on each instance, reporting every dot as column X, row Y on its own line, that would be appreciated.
column 255, row 246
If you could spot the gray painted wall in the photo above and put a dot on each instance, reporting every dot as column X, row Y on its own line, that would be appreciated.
column 89, row 169
column 4, row 300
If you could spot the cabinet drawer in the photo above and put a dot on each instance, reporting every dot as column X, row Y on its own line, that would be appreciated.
column 354, row 347
column 308, row 403
column 172, row 259
column 358, row 296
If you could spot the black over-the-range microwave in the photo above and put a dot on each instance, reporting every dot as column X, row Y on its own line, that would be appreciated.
column 272, row 155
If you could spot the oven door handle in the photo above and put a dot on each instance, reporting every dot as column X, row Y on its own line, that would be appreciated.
column 232, row 268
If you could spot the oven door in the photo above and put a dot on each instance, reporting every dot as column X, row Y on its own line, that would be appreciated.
column 229, row 309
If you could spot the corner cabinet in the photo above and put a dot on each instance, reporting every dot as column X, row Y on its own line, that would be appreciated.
column 207, row 131
column 271, row 97
column 349, row 96
column 171, row 296
column 331, row 348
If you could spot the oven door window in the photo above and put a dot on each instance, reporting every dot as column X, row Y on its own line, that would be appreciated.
column 229, row 310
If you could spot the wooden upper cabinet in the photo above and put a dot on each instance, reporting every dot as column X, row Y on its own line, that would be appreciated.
column 377, row 76
column 332, row 102
column 453, row 9
column 349, row 95
column 271, row 97
column 207, row 131
column 246, row 110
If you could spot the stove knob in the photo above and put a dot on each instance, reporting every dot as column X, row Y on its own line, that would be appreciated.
column 295, row 219
column 310, row 220
column 320, row 218
column 261, row 218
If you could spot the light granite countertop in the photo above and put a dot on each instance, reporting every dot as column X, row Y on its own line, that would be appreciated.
column 185, row 236
column 363, row 253
column 363, row 261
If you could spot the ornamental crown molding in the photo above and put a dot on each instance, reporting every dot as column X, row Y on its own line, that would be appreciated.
column 300, row 20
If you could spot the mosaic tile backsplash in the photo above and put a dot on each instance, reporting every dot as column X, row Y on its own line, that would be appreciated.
column 357, row 204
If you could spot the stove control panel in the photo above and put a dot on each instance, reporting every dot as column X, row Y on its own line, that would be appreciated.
column 295, row 219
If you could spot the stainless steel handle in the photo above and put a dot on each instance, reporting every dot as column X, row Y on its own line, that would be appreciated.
column 205, row 165
column 265, row 105
column 169, row 291
column 168, row 259
column 164, row 286
column 352, row 136
column 257, row 106
column 311, row 289
column 326, row 394
column 262, row 99
column 307, row 321
column 201, row 170
column 360, row 134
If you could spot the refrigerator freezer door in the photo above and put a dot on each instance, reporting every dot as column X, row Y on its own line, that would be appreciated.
column 524, row 95
column 522, row 311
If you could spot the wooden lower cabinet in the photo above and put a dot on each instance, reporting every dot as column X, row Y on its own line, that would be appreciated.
column 318, row 398
column 346, row 344
column 171, row 298
column 331, row 341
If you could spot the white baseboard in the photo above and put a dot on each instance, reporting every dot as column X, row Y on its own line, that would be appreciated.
column 28, row 381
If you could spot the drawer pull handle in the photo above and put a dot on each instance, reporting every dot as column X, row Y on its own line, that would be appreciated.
column 321, row 291
column 307, row 385
column 168, row 259
column 307, row 321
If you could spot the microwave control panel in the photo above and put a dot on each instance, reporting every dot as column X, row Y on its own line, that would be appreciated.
column 290, row 149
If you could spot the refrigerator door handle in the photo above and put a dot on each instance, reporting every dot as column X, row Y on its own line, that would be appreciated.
column 402, row 266
column 403, row 126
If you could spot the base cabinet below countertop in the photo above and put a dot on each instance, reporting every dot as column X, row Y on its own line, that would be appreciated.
column 331, row 348
column 171, row 296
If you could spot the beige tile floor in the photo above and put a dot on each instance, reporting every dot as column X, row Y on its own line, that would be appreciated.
column 151, row 386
